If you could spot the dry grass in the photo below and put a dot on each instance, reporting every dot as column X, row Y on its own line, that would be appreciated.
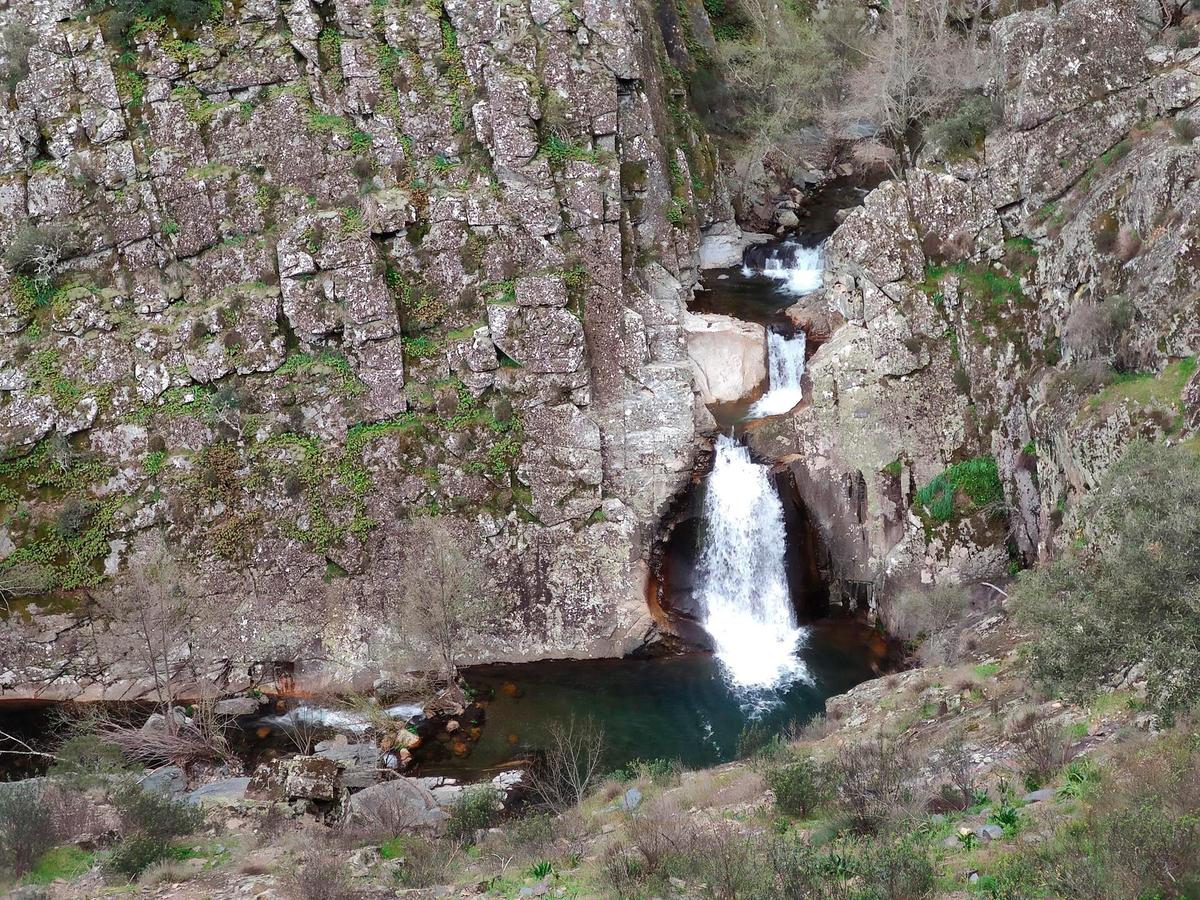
column 709, row 790
column 169, row 871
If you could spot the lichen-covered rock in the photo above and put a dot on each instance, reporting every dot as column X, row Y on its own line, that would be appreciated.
column 328, row 270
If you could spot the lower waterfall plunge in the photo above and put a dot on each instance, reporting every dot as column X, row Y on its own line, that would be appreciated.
column 743, row 594
column 786, row 358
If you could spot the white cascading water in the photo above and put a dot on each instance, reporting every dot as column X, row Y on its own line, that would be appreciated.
column 785, row 357
column 743, row 593
column 797, row 268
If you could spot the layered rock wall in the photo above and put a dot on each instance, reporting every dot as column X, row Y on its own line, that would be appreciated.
column 333, row 266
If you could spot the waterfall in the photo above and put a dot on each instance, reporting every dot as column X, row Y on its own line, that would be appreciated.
column 743, row 591
column 786, row 362
column 796, row 267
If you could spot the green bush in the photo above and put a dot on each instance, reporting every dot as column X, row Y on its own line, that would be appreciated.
column 474, row 809
column 891, row 869
column 964, row 129
column 136, row 853
column 977, row 479
column 156, row 813
column 1140, row 839
column 1126, row 594
column 122, row 15
column 16, row 40
column 26, row 826
column 800, row 785
column 86, row 760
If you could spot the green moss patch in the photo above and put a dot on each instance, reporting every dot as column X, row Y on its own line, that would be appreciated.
column 972, row 484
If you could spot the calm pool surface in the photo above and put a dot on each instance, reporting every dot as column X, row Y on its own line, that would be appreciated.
column 674, row 708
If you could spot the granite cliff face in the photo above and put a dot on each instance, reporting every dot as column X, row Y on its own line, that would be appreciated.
column 331, row 265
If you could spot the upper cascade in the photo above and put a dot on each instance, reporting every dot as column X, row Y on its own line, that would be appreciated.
column 798, row 268
column 743, row 589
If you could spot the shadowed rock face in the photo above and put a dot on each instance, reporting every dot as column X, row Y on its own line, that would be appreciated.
column 729, row 357
column 333, row 267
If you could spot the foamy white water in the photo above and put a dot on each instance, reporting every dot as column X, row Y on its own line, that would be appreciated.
column 338, row 719
column 743, row 593
column 797, row 268
column 786, row 363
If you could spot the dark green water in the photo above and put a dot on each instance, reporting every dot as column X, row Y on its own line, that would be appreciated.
column 674, row 708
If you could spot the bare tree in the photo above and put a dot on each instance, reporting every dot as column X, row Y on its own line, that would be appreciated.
column 159, row 622
column 38, row 250
column 926, row 55
column 438, row 598
column 22, row 579
column 570, row 765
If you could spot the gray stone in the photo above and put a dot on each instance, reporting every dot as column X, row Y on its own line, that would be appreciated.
column 1039, row 796
column 401, row 804
column 223, row 792
column 630, row 800
column 236, row 706
column 167, row 780
column 989, row 832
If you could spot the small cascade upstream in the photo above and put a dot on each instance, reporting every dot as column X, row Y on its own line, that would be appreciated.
column 785, row 357
column 796, row 267
column 742, row 588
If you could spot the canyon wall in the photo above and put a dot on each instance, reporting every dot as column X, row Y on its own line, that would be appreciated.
column 329, row 267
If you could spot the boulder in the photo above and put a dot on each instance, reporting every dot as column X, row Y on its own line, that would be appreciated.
column 728, row 356
column 299, row 778
column 403, row 804
column 722, row 245
column 236, row 706
column 223, row 792
column 167, row 780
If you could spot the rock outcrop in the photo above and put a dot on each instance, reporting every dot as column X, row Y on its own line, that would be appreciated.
column 986, row 307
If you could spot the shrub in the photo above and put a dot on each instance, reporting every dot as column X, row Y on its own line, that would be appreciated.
column 156, row 813
column 137, row 852
column 964, row 129
column 921, row 612
column 728, row 860
column 16, row 40
column 896, row 869
column 26, row 826
column 1095, row 328
column 1126, row 595
column 658, row 833
column 1139, row 840
column 123, row 14
column 321, row 877
column 475, row 808
column 800, row 785
column 870, row 780
column 423, row 862
column 1185, row 130
column 1042, row 749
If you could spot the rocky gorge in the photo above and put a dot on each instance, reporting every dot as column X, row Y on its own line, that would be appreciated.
column 297, row 292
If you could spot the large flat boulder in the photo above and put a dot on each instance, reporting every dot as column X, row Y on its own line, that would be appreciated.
column 729, row 357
